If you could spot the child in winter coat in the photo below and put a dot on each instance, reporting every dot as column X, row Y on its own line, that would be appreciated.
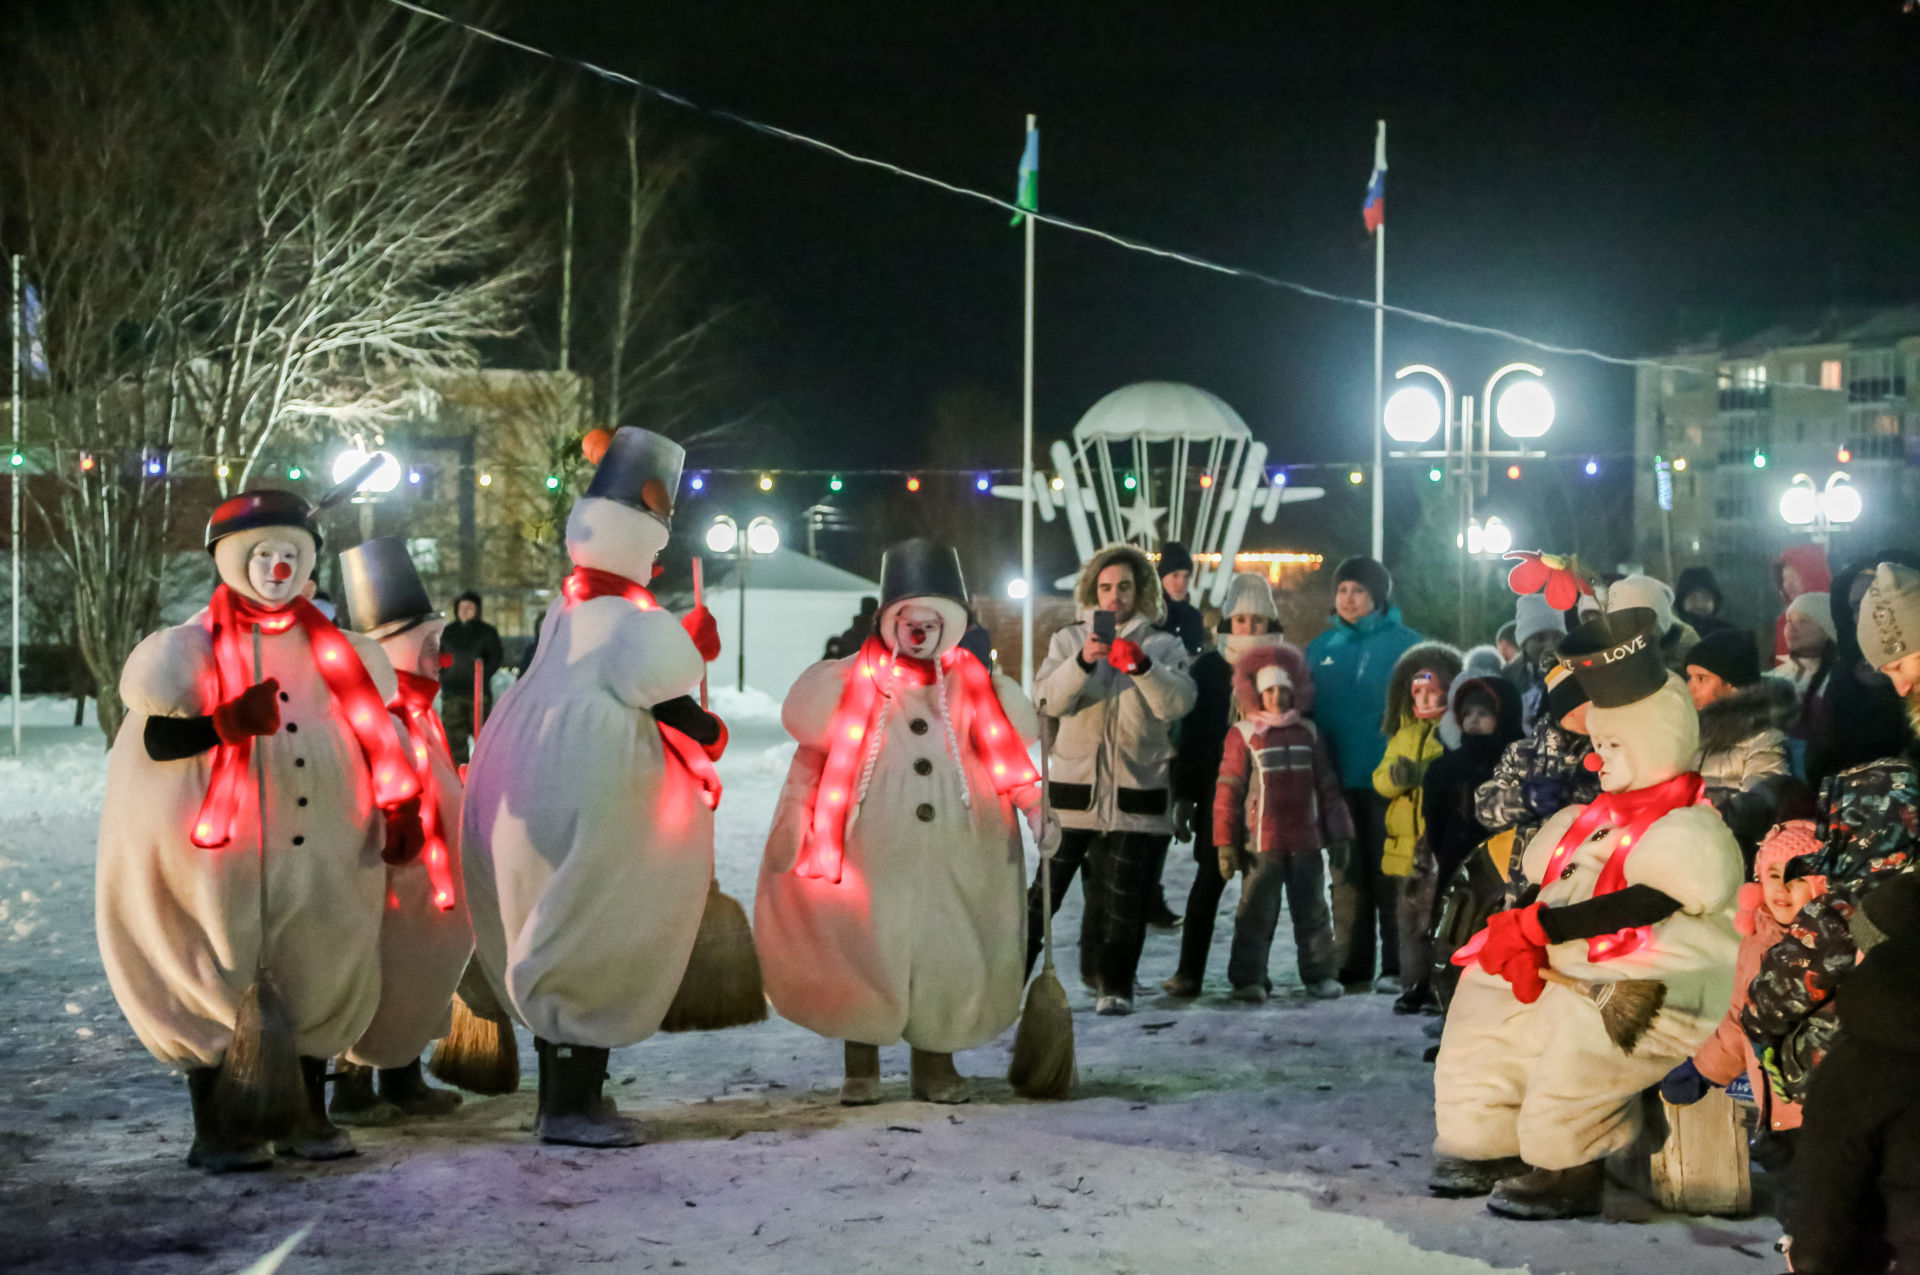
column 1277, row 804
column 1855, row 1202
column 1416, row 701
column 1767, row 907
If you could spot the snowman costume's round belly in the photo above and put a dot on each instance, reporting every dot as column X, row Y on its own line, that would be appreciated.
column 587, row 851
column 180, row 927
column 923, row 938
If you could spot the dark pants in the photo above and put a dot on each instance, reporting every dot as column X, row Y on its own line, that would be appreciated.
column 1364, row 897
column 1416, row 922
column 1203, row 910
column 1113, row 925
column 456, row 714
column 1299, row 878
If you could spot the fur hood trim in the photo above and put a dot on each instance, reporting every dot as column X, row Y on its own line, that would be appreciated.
column 1288, row 658
column 1146, row 581
column 1769, row 704
column 1435, row 656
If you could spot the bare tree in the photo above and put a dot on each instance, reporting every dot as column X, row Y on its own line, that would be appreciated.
column 246, row 220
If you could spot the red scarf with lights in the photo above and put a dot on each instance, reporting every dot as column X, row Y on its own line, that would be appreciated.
column 1633, row 813
column 587, row 583
column 414, row 703
column 977, row 717
column 230, row 622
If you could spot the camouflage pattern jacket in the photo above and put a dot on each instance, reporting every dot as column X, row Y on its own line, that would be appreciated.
column 1537, row 776
column 1869, row 826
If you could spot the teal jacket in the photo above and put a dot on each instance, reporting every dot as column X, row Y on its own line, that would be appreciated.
column 1351, row 666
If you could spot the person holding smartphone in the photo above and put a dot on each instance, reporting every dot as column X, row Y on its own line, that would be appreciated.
column 1111, row 688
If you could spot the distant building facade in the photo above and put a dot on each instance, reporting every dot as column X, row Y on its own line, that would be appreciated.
column 1721, row 431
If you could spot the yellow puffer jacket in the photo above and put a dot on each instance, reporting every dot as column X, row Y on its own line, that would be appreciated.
column 1419, row 742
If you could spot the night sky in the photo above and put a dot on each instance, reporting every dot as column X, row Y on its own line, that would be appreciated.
column 1609, row 175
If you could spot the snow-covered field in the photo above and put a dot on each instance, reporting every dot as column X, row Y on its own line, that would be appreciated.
column 1292, row 1136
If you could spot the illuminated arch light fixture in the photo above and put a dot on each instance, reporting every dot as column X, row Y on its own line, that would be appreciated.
column 1525, row 410
column 1803, row 503
column 762, row 536
column 382, row 480
column 1412, row 415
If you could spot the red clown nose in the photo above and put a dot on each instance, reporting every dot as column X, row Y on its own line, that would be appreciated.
column 1593, row 763
column 282, row 571
column 446, row 660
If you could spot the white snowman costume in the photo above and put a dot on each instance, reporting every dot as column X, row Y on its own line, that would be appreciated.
column 923, row 937
column 1542, row 1081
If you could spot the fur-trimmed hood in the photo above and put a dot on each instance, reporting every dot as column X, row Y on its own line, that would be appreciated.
column 1290, row 661
column 1436, row 656
column 1770, row 703
column 1146, row 581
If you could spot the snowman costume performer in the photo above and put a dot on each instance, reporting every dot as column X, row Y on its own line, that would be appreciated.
column 1530, row 1094
column 207, row 739
column 588, row 837
column 426, row 937
column 890, row 905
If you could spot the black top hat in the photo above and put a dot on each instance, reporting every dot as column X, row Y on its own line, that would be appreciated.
column 1616, row 656
column 269, row 507
column 919, row 568
column 384, row 593
column 641, row 469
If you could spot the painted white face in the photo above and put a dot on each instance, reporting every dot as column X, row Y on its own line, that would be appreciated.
column 417, row 650
column 1616, row 771
column 916, row 632
column 273, row 569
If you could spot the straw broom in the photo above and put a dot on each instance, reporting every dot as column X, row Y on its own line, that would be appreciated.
column 1627, row 1007
column 479, row 1052
column 722, row 986
column 1042, row 1064
column 259, row 1092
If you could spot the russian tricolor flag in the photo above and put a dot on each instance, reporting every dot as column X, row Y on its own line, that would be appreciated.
column 1374, row 210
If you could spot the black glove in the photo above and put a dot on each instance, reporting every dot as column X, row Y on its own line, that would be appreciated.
column 1684, row 1085
column 1546, row 795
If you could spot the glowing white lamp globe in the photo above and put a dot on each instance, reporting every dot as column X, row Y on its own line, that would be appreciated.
column 1016, row 589
column 762, row 536
column 1525, row 410
column 383, row 479
column 1841, row 500
column 1412, row 415
column 1497, row 538
column 722, row 536
column 1800, row 503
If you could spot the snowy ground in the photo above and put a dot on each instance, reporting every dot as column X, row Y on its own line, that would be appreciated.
column 1212, row 1135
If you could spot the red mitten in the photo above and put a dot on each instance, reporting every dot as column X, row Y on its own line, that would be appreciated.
column 1127, row 656
column 254, row 711
column 718, row 746
column 405, row 837
column 1510, row 934
column 1522, row 972
column 705, row 632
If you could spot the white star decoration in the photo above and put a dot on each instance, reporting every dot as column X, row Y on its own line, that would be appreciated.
column 1143, row 520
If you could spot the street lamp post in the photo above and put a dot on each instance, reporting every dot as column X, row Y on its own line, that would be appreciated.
column 1524, row 412
column 1819, row 510
column 725, row 539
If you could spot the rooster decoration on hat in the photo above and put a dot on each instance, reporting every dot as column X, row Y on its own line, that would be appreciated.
column 589, row 803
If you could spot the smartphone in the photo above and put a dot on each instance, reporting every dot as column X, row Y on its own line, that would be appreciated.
column 1103, row 626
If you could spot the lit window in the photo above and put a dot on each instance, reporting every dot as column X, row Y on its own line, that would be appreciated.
column 1830, row 374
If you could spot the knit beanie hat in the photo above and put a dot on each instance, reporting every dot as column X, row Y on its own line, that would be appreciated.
column 1817, row 607
column 1643, row 591
column 1174, row 557
column 1369, row 574
column 1247, row 594
column 1533, row 615
column 1272, row 675
column 1729, row 654
column 1890, row 615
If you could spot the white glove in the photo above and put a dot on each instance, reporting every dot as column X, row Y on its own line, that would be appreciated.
column 1045, row 829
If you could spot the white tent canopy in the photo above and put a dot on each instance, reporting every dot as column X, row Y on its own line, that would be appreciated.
column 793, row 605
column 1159, row 412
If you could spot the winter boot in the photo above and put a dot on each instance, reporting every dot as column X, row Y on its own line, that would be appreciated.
column 935, row 1080
column 354, row 1102
column 215, row 1149
column 1387, row 985
column 572, row 1108
column 315, row 1137
column 1326, row 989
column 1181, row 987
column 1415, row 999
column 1551, row 1194
column 408, row 1090
column 1252, row 994
column 1112, row 1006
column 1456, row 1179
column 861, row 1088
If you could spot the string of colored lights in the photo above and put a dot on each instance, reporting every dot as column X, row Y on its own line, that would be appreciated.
column 1049, row 219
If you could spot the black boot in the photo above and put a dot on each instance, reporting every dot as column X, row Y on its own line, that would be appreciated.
column 215, row 1149
column 1551, row 1194
column 408, row 1090
column 572, row 1108
column 354, row 1101
column 1453, row 1178
column 315, row 1137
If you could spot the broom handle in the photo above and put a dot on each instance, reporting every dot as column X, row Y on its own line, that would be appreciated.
column 260, row 790
column 699, row 600
column 1046, row 865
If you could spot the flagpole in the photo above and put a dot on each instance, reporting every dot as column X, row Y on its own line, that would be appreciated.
column 1026, row 474
column 1379, row 360
column 13, row 471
